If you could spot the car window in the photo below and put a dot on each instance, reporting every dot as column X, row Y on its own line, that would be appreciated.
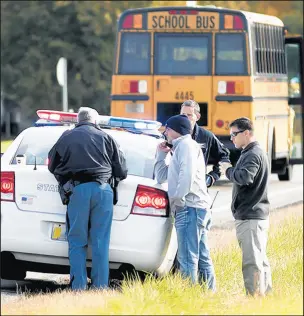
column 36, row 145
column 139, row 149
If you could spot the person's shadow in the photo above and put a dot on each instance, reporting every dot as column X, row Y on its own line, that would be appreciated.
column 29, row 286
column 34, row 286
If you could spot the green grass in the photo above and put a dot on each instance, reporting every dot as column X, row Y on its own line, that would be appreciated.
column 172, row 295
column 5, row 144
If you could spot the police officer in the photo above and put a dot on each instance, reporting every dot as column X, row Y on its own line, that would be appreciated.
column 212, row 148
column 88, row 158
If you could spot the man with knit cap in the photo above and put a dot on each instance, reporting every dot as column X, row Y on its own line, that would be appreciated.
column 189, row 199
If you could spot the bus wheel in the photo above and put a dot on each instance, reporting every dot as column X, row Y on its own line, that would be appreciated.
column 287, row 175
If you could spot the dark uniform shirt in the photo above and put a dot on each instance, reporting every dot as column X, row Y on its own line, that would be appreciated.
column 86, row 153
column 214, row 151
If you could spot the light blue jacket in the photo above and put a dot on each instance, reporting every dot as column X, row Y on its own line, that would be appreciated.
column 186, row 174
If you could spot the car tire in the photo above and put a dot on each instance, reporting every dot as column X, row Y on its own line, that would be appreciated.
column 175, row 266
column 11, row 269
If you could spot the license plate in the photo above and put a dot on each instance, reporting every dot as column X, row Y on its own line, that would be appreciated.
column 135, row 108
column 59, row 232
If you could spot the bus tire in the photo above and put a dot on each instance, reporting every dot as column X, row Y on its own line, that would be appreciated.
column 270, row 145
column 287, row 175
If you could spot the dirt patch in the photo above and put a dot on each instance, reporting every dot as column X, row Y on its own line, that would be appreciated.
column 220, row 238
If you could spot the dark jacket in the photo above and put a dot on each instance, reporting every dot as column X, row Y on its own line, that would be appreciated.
column 214, row 151
column 86, row 153
column 250, row 184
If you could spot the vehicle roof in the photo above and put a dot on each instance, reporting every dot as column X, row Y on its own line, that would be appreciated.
column 117, row 134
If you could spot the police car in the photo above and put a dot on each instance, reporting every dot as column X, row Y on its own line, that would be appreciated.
column 33, row 228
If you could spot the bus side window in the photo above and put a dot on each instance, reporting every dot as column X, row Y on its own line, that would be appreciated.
column 293, row 70
column 294, row 52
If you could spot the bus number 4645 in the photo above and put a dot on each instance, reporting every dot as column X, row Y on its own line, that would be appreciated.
column 184, row 95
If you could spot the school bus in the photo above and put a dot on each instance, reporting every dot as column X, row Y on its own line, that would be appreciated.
column 233, row 63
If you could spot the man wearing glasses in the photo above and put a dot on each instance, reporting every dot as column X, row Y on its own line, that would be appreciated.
column 250, row 206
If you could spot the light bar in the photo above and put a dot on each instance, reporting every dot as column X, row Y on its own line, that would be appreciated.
column 43, row 122
column 104, row 120
column 57, row 116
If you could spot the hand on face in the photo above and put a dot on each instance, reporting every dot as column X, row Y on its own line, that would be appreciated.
column 163, row 147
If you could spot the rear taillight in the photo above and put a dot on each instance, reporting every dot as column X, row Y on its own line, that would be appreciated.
column 230, row 87
column 134, row 86
column 183, row 12
column 150, row 201
column 219, row 123
column 8, row 186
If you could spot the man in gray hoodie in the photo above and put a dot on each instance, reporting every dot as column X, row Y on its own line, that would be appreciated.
column 250, row 205
column 189, row 199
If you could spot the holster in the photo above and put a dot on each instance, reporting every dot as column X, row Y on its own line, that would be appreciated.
column 65, row 190
column 114, row 183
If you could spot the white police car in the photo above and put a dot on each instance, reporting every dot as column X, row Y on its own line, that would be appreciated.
column 33, row 218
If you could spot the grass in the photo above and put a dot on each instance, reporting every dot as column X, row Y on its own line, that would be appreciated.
column 172, row 295
column 5, row 144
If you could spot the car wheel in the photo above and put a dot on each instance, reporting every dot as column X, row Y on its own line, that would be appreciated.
column 11, row 269
column 175, row 266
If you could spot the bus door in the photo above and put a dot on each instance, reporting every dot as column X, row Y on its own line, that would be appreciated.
column 182, row 71
column 295, row 65
column 182, row 59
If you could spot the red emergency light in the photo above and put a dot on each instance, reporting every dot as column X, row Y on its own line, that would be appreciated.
column 57, row 116
column 183, row 12
column 233, row 22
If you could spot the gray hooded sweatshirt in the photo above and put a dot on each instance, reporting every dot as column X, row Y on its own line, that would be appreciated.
column 186, row 174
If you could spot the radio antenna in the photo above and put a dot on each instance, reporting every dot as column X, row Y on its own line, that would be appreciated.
column 35, row 166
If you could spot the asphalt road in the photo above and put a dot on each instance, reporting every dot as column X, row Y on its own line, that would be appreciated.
column 281, row 194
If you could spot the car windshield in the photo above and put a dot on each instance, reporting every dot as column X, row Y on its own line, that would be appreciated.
column 138, row 149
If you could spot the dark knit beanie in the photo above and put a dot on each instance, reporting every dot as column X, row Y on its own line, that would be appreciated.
column 180, row 124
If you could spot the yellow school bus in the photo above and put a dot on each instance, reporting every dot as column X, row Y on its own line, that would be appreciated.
column 233, row 63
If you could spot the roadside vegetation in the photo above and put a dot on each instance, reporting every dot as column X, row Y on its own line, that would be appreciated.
column 172, row 295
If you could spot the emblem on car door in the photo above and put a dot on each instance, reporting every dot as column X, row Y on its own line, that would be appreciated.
column 47, row 187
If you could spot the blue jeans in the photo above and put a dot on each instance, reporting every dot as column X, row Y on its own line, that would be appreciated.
column 193, row 255
column 91, row 204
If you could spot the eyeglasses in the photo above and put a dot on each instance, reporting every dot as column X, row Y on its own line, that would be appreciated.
column 234, row 134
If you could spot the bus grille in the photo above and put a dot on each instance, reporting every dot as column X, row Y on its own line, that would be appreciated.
column 166, row 110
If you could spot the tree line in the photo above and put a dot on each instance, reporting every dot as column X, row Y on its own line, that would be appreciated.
column 35, row 34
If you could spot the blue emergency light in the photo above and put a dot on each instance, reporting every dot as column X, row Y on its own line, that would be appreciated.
column 42, row 122
column 57, row 118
